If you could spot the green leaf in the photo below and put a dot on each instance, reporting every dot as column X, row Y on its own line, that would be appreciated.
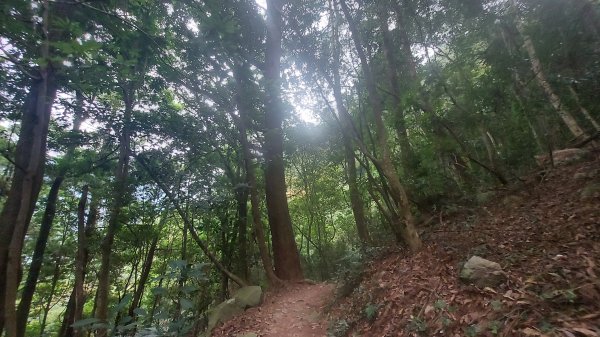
column 158, row 291
column 85, row 322
column 186, row 304
column 140, row 312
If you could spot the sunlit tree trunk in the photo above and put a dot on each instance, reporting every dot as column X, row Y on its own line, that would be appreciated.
column 285, row 251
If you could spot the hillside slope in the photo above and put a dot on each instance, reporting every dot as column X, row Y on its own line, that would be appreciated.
column 546, row 236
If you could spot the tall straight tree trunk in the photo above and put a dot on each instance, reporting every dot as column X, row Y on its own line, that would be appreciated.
column 25, row 187
column 242, row 78
column 29, row 168
column 285, row 251
column 115, row 214
column 45, row 228
column 408, row 155
column 407, row 228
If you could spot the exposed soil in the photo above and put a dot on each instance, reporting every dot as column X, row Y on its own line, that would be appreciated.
column 293, row 311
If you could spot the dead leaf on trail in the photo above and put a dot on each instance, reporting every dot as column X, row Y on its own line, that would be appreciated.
column 585, row 332
column 532, row 332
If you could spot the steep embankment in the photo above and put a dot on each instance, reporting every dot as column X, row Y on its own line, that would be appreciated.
column 544, row 233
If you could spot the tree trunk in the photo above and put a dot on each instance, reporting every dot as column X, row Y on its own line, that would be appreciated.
column 115, row 215
column 583, row 110
column 146, row 268
column 38, row 257
column 188, row 224
column 242, row 76
column 553, row 98
column 397, row 191
column 285, row 251
column 45, row 227
column 25, row 187
column 408, row 155
column 53, row 284
column 358, row 208
column 241, row 197
column 76, row 301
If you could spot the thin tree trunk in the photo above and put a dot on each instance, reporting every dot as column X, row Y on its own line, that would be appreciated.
column 241, row 196
column 77, row 299
column 190, row 227
column 397, row 191
column 38, row 257
column 53, row 284
column 540, row 76
column 583, row 110
column 146, row 268
column 356, row 202
column 45, row 228
column 115, row 215
column 285, row 251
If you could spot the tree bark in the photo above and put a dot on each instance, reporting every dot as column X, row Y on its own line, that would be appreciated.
column 115, row 215
column 397, row 191
column 242, row 76
column 146, row 268
column 408, row 155
column 38, row 257
column 356, row 202
column 540, row 76
column 241, row 197
column 77, row 298
column 285, row 251
column 45, row 228
column 583, row 110
column 25, row 187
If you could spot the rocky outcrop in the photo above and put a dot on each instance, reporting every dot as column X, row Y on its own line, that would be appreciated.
column 244, row 298
column 482, row 273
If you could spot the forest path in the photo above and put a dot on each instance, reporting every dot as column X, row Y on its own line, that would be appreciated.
column 294, row 311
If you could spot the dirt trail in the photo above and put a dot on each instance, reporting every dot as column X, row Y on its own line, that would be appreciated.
column 295, row 311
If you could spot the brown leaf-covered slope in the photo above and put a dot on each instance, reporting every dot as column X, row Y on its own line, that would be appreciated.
column 545, row 236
